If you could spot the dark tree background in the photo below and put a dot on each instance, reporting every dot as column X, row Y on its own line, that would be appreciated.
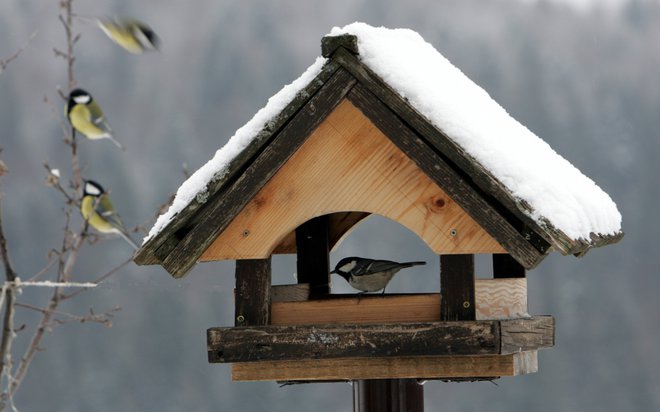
column 584, row 79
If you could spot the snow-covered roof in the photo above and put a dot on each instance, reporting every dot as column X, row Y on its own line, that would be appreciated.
column 545, row 187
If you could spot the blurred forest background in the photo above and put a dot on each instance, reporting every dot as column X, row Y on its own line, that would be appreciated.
column 585, row 76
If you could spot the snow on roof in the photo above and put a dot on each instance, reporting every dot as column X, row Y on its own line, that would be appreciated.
column 524, row 163
column 520, row 160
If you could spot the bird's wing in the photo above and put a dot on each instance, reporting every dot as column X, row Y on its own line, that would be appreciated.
column 118, row 33
column 105, row 209
column 97, row 116
column 383, row 266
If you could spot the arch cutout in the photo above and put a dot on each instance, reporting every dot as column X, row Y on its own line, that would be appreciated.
column 348, row 165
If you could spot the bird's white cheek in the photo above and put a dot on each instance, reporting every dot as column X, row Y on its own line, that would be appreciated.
column 348, row 267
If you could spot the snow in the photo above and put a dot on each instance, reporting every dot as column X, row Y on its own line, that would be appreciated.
column 526, row 165
column 520, row 160
column 195, row 187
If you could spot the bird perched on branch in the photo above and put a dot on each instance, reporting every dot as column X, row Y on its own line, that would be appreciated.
column 368, row 275
column 132, row 35
column 86, row 117
column 99, row 213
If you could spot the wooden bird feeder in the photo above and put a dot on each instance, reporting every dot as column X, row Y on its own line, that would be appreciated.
column 348, row 146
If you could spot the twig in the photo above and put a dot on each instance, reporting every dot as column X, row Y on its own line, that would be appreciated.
column 99, row 279
column 5, row 63
column 103, row 318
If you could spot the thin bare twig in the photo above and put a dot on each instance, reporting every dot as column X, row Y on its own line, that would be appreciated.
column 5, row 63
column 102, row 318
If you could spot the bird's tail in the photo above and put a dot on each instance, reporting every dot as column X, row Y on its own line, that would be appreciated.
column 410, row 264
column 128, row 239
column 119, row 145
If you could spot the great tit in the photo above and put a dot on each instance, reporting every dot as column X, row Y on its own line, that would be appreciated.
column 132, row 35
column 369, row 275
column 86, row 117
column 97, row 210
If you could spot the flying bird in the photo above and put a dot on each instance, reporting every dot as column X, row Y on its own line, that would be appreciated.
column 86, row 117
column 132, row 35
column 369, row 275
column 97, row 210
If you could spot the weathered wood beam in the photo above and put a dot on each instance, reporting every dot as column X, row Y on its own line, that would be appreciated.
column 449, row 178
column 331, row 43
column 219, row 212
column 252, row 294
column 457, row 287
column 269, row 343
column 313, row 252
column 519, row 335
column 423, row 367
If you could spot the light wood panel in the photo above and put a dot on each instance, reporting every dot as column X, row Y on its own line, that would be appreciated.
column 495, row 299
column 347, row 164
column 430, row 367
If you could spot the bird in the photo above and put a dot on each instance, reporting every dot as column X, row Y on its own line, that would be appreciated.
column 97, row 210
column 369, row 275
column 132, row 35
column 86, row 117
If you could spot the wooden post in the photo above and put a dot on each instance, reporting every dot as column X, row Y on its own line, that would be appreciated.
column 457, row 287
column 388, row 395
column 504, row 266
column 314, row 255
column 252, row 294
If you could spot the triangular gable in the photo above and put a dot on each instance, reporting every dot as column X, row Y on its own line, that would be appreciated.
column 348, row 164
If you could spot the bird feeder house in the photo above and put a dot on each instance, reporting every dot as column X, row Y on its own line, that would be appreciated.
column 382, row 124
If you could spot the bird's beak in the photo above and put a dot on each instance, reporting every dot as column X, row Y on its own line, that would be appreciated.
column 333, row 271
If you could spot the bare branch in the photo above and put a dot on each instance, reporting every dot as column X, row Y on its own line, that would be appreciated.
column 5, row 63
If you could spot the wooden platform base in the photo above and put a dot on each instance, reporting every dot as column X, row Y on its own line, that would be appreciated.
column 430, row 367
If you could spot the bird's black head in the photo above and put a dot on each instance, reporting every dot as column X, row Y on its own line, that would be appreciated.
column 78, row 96
column 345, row 266
column 91, row 188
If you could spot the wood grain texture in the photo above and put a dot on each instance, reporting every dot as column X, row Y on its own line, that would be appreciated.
column 494, row 299
column 348, row 164
column 501, row 298
column 354, row 310
column 430, row 367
